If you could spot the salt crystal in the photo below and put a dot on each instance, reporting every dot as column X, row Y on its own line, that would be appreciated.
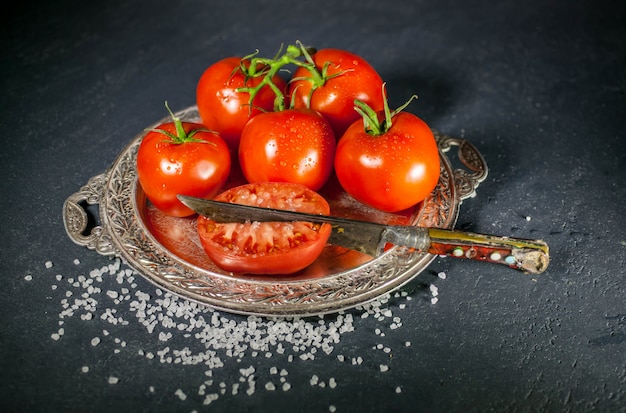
column 384, row 368
column 85, row 369
column 434, row 300
column 441, row 275
column 49, row 264
column 95, row 341
column 210, row 398
column 28, row 277
column 113, row 380
column 398, row 390
column 181, row 395
column 76, row 261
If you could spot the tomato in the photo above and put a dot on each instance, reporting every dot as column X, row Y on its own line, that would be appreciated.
column 222, row 107
column 293, row 145
column 392, row 171
column 346, row 77
column 190, row 161
column 267, row 247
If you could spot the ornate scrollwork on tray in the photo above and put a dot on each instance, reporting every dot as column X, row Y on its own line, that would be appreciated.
column 124, row 233
column 465, row 180
column 77, row 222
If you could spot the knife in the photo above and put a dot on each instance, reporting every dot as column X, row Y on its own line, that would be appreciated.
column 529, row 256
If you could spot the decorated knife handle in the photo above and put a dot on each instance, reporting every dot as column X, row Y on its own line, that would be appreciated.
column 529, row 256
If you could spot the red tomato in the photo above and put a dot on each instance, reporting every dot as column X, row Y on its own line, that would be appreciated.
column 222, row 107
column 293, row 145
column 390, row 172
column 267, row 247
column 198, row 166
column 348, row 77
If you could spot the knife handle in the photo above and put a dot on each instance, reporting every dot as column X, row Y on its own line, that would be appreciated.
column 529, row 256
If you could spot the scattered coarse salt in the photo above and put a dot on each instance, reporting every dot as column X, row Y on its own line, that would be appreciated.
column 113, row 380
column 332, row 409
column 76, row 261
column 28, row 277
column 441, row 275
column 109, row 295
column 434, row 300
column 528, row 218
column 49, row 264
column 85, row 369
column 398, row 389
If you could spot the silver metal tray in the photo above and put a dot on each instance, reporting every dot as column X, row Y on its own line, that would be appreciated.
column 167, row 251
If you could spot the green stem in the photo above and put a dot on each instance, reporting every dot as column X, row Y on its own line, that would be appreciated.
column 181, row 136
column 373, row 126
column 297, row 55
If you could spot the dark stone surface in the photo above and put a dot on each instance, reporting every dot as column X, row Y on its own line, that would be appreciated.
column 539, row 87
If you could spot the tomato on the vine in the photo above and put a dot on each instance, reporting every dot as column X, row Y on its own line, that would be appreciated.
column 337, row 79
column 181, row 158
column 223, row 106
column 267, row 247
column 292, row 145
column 389, row 161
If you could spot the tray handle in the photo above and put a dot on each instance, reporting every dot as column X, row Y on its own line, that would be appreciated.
column 466, row 180
column 81, row 226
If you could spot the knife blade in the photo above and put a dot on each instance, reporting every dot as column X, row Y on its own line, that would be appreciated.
column 529, row 256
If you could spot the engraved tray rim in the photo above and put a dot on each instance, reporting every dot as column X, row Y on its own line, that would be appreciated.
column 123, row 233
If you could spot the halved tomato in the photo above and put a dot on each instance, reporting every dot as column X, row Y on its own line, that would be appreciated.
column 267, row 247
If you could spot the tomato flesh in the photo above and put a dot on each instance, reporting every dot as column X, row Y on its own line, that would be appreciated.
column 267, row 247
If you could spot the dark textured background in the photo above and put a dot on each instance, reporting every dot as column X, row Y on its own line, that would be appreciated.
column 539, row 87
